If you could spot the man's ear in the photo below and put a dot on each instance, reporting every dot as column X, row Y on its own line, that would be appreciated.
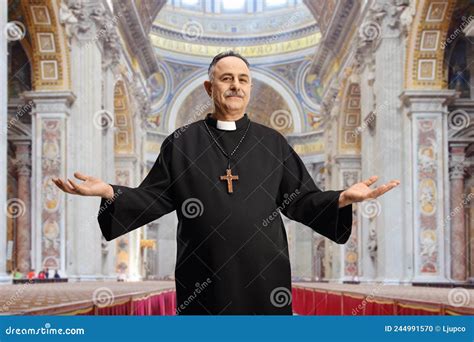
column 208, row 87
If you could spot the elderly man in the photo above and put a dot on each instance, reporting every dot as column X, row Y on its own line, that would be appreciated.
column 228, row 178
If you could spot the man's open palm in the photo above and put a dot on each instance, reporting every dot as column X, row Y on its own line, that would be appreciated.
column 91, row 186
column 361, row 191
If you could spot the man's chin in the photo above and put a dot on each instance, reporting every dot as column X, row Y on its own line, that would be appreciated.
column 231, row 108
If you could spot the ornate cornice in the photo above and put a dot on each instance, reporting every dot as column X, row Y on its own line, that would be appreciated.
column 136, row 36
column 91, row 21
column 335, row 35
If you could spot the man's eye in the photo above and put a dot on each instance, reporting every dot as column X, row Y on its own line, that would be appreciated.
column 243, row 81
column 226, row 79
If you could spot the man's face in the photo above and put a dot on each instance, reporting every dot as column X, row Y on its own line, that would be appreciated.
column 230, row 88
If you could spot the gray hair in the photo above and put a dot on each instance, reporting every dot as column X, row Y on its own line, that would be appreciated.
column 218, row 57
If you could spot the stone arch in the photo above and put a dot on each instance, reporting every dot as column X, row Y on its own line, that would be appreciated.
column 45, row 43
column 425, row 67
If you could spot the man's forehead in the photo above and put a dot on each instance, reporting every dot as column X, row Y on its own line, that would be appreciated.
column 232, row 64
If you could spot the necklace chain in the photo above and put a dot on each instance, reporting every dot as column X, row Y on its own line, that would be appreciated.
column 219, row 145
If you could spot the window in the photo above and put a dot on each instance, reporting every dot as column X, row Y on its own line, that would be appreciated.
column 276, row 3
column 191, row 4
column 234, row 5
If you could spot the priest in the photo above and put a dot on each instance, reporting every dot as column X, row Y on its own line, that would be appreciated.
column 228, row 178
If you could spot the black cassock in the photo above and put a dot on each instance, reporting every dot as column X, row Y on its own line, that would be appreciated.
column 232, row 250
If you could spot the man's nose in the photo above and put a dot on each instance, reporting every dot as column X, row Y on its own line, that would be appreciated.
column 235, row 85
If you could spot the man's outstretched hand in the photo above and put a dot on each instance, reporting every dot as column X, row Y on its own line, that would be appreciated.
column 90, row 186
column 360, row 191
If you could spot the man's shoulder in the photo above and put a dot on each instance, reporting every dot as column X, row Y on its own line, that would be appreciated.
column 185, row 130
column 268, row 132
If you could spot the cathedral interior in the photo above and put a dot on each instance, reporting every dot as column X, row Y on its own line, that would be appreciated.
column 357, row 88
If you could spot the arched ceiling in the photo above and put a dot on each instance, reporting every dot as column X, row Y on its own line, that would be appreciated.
column 256, row 28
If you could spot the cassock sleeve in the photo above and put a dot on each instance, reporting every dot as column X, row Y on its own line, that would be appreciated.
column 301, row 200
column 132, row 208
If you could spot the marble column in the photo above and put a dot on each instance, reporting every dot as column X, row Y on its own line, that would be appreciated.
column 456, row 218
column 368, row 112
column 50, row 113
column 23, row 230
column 3, row 140
column 349, row 174
column 109, row 249
column 85, row 252
column 428, row 162
column 387, row 156
column 333, row 253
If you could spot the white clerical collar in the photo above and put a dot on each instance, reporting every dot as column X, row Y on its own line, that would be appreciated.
column 226, row 125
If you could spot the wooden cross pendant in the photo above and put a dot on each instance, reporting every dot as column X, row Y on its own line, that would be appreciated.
column 229, row 177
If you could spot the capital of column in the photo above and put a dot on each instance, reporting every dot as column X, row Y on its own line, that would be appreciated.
column 351, row 162
column 91, row 21
column 423, row 101
column 23, row 160
column 80, row 17
column 457, row 161
column 52, row 102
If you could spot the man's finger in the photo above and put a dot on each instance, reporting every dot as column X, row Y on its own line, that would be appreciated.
column 68, row 187
column 80, row 176
column 58, row 184
column 370, row 180
column 77, row 188
column 63, row 186
column 381, row 190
